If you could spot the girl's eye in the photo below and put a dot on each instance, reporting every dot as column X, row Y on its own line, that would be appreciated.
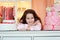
column 27, row 18
column 32, row 18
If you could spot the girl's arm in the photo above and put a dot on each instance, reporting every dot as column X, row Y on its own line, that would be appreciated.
column 35, row 26
column 21, row 26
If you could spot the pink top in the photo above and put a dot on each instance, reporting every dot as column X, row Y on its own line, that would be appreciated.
column 25, row 26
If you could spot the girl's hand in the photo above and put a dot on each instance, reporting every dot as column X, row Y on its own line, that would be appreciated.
column 36, row 22
column 28, row 28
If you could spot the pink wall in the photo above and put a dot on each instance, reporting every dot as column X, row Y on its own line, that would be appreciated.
column 40, row 7
column 50, row 2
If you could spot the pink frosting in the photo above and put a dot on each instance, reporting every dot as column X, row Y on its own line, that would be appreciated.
column 52, row 20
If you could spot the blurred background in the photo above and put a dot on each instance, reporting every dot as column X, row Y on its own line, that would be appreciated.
column 13, row 9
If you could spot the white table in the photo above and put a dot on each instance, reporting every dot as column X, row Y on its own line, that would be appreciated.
column 29, row 35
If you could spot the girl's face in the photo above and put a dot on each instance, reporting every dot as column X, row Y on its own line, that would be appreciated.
column 30, row 19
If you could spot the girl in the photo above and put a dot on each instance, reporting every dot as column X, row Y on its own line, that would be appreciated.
column 29, row 21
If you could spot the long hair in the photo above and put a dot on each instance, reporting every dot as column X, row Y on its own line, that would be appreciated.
column 23, row 18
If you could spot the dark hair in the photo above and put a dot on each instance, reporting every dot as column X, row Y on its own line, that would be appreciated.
column 23, row 19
